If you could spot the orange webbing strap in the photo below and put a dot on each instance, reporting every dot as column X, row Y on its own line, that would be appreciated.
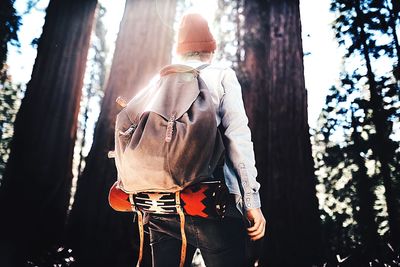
column 141, row 230
column 182, row 221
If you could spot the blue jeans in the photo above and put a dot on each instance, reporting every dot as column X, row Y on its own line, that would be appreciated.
column 221, row 241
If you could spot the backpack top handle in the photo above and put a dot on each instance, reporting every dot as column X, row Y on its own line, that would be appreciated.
column 179, row 68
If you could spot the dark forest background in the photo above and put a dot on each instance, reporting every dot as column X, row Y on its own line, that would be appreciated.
column 330, row 194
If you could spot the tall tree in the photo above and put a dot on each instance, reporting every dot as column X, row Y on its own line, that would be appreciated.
column 9, row 25
column 358, row 25
column 276, row 103
column 34, row 194
column 349, row 187
column 9, row 105
column 393, row 8
column 358, row 157
column 365, row 214
column 100, row 236
column 97, row 70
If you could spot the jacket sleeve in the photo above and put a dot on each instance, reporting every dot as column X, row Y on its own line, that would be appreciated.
column 240, row 152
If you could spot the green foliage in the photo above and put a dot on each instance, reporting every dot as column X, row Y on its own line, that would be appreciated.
column 229, row 22
column 9, row 25
column 99, row 45
column 372, row 21
column 9, row 105
column 355, row 148
column 335, row 164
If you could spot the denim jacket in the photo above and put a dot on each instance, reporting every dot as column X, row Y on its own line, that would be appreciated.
column 239, row 169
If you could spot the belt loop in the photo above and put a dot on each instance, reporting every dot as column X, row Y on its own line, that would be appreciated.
column 141, row 229
column 182, row 226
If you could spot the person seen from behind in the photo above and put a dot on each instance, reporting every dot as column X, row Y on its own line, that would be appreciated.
column 221, row 241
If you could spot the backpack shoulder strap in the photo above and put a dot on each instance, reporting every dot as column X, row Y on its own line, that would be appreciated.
column 199, row 68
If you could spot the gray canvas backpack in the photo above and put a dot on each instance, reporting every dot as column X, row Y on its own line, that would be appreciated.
column 166, row 137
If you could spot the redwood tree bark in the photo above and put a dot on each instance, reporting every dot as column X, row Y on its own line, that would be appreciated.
column 34, row 194
column 276, row 103
column 100, row 236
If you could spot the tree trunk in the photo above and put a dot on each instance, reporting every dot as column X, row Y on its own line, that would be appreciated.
column 34, row 195
column 276, row 103
column 394, row 13
column 365, row 216
column 99, row 235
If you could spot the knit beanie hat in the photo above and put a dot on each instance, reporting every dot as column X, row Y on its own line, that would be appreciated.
column 194, row 35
